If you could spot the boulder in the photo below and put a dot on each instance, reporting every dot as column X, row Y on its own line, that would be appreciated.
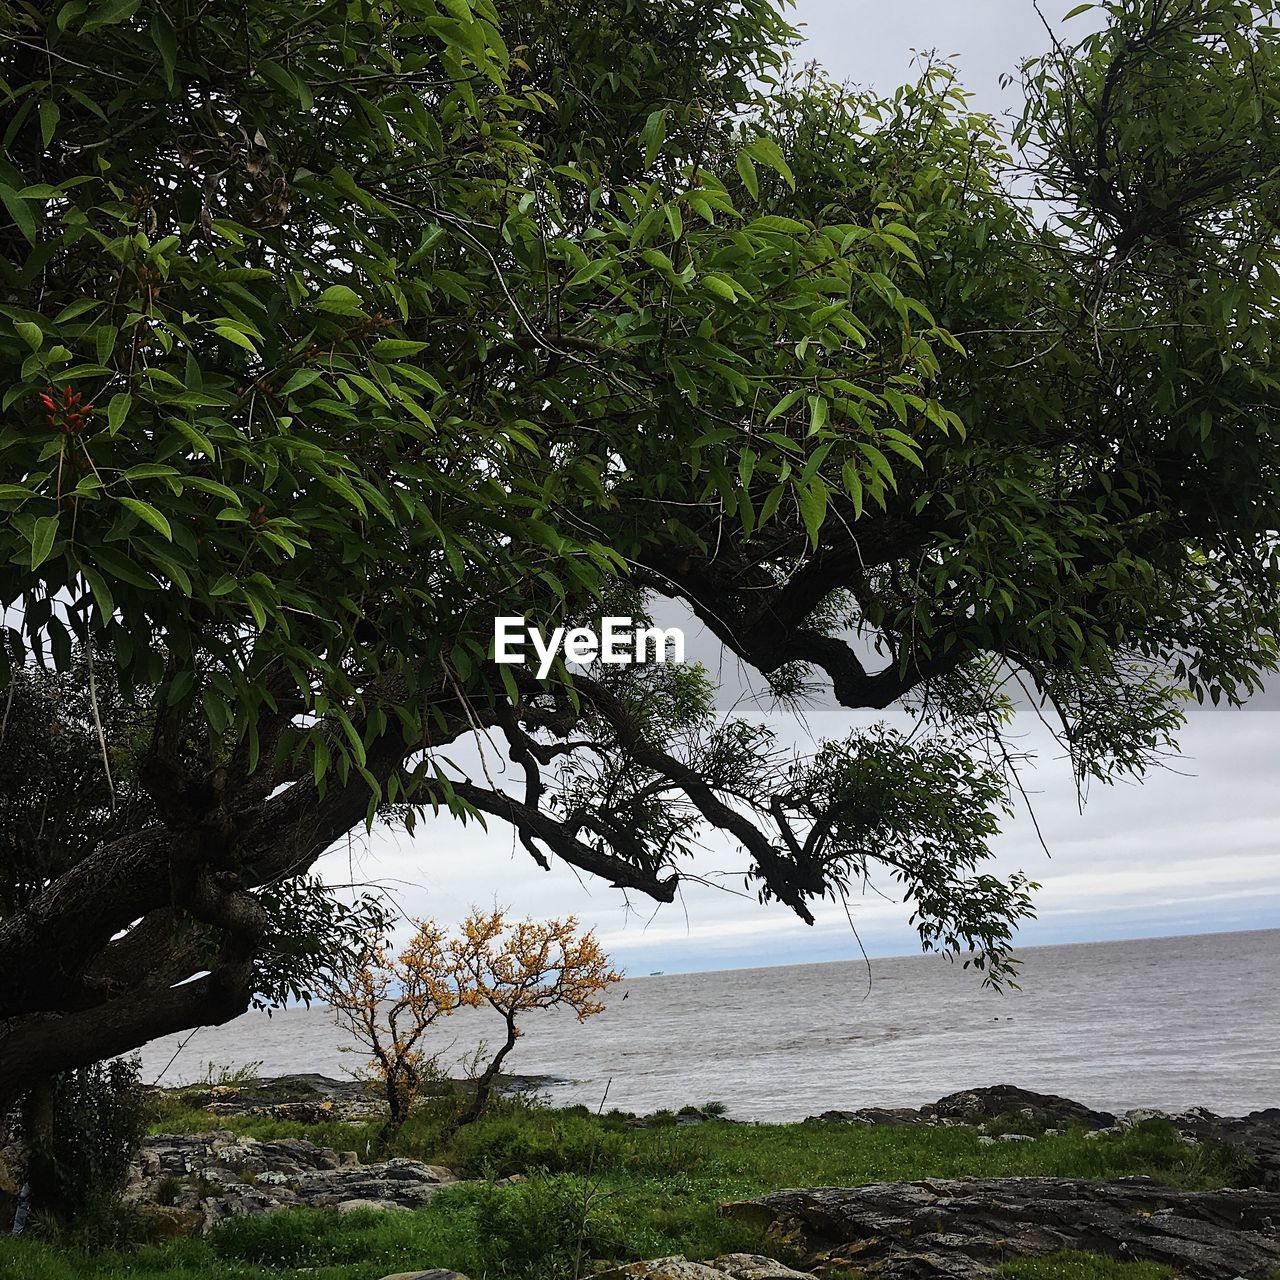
column 972, row 1106
column 964, row 1228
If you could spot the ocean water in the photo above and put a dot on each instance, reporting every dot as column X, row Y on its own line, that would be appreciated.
column 1167, row 1022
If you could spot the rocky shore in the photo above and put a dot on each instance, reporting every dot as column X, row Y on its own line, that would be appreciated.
column 938, row 1229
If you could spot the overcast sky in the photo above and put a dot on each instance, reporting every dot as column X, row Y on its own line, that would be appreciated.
column 1190, row 851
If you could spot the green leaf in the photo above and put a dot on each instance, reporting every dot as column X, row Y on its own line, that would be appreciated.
column 19, row 211
column 69, row 12
column 101, row 592
column 747, row 170
column 50, row 114
column 652, row 135
column 339, row 300
column 720, row 287
column 118, row 410
column 256, row 608
column 145, row 511
column 180, row 688
column 818, row 410
column 812, row 499
column 303, row 378
column 149, row 471
column 853, row 484
column 110, row 14
column 234, row 335
column 43, row 533
column 165, row 40
column 30, row 333
column 320, row 761
column 767, row 151
column 393, row 348
column 588, row 273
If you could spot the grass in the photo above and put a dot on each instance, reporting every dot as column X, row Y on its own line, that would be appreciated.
column 1083, row 1266
column 598, row 1189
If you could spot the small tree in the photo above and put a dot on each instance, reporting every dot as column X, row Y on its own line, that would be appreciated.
column 518, row 968
column 389, row 1003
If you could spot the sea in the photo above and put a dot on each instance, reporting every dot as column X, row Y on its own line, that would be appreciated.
column 1163, row 1022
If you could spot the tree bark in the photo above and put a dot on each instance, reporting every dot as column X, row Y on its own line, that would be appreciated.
column 484, row 1085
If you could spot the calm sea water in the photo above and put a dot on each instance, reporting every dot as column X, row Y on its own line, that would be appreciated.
column 1169, row 1022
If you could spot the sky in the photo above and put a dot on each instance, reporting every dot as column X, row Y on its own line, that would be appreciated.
column 1191, row 850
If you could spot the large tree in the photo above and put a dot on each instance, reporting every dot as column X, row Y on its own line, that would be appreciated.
column 328, row 332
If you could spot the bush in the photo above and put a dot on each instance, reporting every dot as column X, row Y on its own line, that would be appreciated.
column 521, row 1141
column 82, row 1131
column 550, row 1225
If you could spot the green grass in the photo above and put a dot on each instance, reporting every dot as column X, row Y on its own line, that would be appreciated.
column 1083, row 1266
column 598, row 1189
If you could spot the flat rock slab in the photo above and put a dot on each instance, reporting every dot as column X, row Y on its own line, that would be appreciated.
column 729, row 1266
column 209, row 1177
column 964, row 1228
column 437, row 1274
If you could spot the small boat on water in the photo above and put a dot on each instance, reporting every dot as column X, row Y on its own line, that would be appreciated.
column 657, row 973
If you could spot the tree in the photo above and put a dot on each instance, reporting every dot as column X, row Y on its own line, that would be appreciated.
column 385, row 318
column 390, row 1003
column 521, row 967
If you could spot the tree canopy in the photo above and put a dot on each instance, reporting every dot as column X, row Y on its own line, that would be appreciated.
column 328, row 332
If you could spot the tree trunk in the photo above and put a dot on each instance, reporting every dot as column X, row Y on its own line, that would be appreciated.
column 484, row 1085
column 38, row 1140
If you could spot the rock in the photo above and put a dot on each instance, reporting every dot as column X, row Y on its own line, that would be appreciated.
column 438, row 1273
column 220, row 1175
column 379, row 1206
column 873, row 1115
column 1014, row 1137
column 11, row 1161
column 973, row 1105
column 304, row 1097
column 964, row 1228
column 751, row 1266
column 735, row 1266
column 164, row 1222
column 1140, row 1115
column 677, row 1267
